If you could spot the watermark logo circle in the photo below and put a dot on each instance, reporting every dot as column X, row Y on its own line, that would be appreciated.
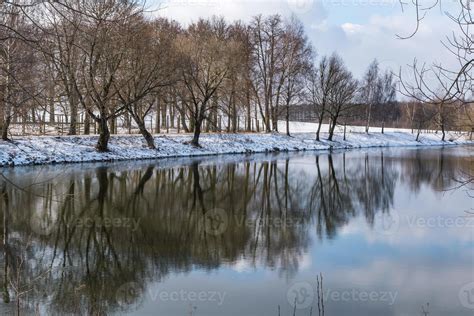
column 300, row 6
column 129, row 294
column 42, row 225
column 387, row 223
column 300, row 295
column 215, row 221
column 466, row 296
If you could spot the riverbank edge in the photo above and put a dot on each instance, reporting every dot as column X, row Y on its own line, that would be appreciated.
column 43, row 150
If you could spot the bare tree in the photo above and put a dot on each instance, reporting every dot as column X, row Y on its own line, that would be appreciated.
column 233, row 96
column 342, row 93
column 148, row 69
column 296, row 63
column 377, row 89
column 435, row 91
column 320, row 82
column 18, row 63
column 61, row 44
column 371, row 91
column 205, row 63
column 422, row 116
column 101, row 34
column 267, row 77
column 240, row 33
column 447, row 89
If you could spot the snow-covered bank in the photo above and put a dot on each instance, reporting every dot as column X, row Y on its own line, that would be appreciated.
column 45, row 150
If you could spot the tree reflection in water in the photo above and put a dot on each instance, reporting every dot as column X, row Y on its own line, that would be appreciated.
column 119, row 224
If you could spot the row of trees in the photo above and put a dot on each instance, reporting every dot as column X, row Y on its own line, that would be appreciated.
column 108, row 59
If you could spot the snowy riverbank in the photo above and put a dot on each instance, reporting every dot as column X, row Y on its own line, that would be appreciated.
column 46, row 150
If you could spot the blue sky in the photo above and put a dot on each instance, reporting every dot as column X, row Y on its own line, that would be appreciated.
column 359, row 30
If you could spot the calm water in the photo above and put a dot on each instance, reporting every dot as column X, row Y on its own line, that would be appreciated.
column 390, row 231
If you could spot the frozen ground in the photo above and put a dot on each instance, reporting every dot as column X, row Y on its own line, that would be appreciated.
column 50, row 149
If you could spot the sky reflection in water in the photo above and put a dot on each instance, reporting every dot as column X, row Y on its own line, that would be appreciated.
column 381, row 225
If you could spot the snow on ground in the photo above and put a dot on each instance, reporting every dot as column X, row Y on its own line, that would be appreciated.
column 49, row 149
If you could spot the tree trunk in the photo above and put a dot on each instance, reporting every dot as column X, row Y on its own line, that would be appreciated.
column 369, row 114
column 113, row 125
column 158, row 116
column 87, row 124
column 24, row 119
column 197, row 133
column 73, row 122
column 444, row 133
column 287, row 120
column 183, row 123
column 127, row 122
column 52, row 112
column 33, row 115
column 146, row 134
column 266, row 119
column 2, row 117
column 5, row 127
column 192, row 124
column 164, row 111
column 234, row 117
column 233, row 111
column 104, row 135
column 249, row 118
column 320, row 123
column 74, row 112
column 214, row 114
column 331, row 129
column 345, row 127
column 275, row 119
column 43, row 123
column 229, row 123
column 173, row 110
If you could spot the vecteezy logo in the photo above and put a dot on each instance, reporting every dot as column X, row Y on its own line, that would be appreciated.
column 466, row 295
column 300, row 6
column 129, row 294
column 300, row 295
column 215, row 221
column 42, row 225
column 387, row 223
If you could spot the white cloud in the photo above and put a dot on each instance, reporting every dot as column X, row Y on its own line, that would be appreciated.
column 351, row 28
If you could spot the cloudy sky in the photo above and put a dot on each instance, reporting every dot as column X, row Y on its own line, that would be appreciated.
column 359, row 30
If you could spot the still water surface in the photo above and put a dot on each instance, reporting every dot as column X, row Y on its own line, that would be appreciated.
column 390, row 230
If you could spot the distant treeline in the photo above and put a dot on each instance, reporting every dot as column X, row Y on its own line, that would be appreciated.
column 407, row 115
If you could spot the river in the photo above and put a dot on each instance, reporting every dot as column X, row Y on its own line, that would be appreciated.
column 391, row 232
